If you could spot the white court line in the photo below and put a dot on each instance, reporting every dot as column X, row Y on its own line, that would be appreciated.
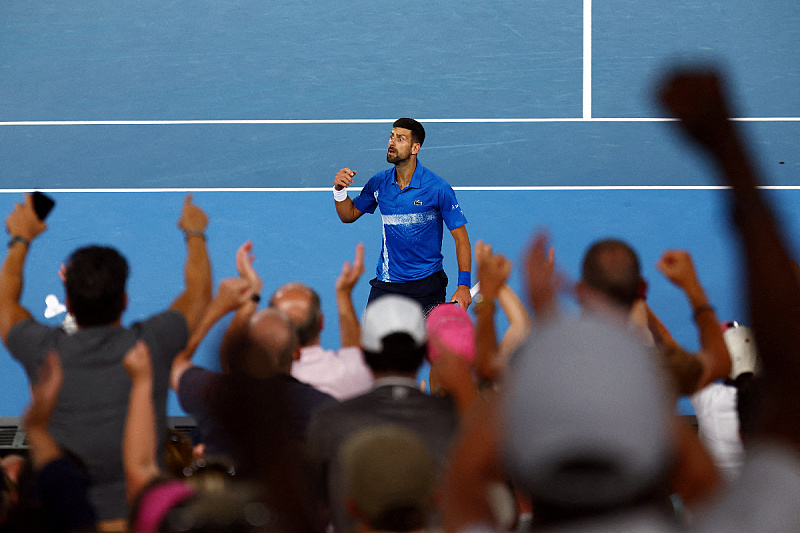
column 360, row 121
column 587, row 59
column 358, row 189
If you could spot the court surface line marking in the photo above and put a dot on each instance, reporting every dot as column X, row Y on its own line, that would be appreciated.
column 357, row 121
column 587, row 59
column 358, row 189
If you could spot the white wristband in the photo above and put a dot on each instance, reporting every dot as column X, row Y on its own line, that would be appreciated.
column 340, row 195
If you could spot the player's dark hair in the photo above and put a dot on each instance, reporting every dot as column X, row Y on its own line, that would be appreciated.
column 95, row 284
column 417, row 131
column 400, row 354
column 612, row 268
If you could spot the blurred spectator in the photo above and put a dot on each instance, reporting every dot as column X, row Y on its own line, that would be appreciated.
column 57, row 499
column 393, row 337
column 89, row 416
column 391, row 477
column 584, row 430
column 492, row 357
column 765, row 496
column 341, row 373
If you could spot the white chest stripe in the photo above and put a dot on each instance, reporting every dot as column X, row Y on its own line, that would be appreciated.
column 410, row 218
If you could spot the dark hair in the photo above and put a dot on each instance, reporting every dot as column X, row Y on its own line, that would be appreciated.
column 400, row 354
column 309, row 328
column 749, row 399
column 417, row 131
column 611, row 267
column 400, row 519
column 95, row 284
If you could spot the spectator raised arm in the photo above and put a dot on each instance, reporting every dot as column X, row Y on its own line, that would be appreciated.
column 61, row 485
column 233, row 294
column 24, row 226
column 493, row 271
column 238, row 327
column 697, row 99
column 676, row 265
column 197, row 272
column 139, row 438
column 349, row 328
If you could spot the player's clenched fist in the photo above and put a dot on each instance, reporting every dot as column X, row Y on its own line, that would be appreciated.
column 344, row 178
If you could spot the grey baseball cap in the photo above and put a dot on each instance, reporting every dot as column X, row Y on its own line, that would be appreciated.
column 586, row 416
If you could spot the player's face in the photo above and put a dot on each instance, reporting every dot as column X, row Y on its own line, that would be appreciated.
column 401, row 146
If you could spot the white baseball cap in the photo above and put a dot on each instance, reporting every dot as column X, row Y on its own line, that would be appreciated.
column 741, row 347
column 392, row 314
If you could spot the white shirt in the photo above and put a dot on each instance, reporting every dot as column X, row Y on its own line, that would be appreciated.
column 718, row 427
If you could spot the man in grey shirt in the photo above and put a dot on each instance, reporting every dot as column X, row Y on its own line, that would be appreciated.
column 89, row 417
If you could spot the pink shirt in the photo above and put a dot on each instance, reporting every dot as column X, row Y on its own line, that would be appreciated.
column 342, row 374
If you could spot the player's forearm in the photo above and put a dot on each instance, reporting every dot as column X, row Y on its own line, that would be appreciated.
column 463, row 250
column 346, row 210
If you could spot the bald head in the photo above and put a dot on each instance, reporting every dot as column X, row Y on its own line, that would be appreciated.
column 274, row 340
column 301, row 304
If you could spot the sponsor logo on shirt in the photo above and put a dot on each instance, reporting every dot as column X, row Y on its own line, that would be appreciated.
column 417, row 202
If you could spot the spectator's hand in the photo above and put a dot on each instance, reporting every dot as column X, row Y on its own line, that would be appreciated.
column 244, row 266
column 192, row 217
column 696, row 98
column 23, row 222
column 351, row 273
column 343, row 179
column 676, row 265
column 233, row 293
column 137, row 362
column 44, row 393
column 493, row 269
column 542, row 285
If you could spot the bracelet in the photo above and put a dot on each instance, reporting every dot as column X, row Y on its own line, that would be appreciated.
column 194, row 232
column 465, row 278
column 340, row 195
column 701, row 309
column 16, row 238
column 256, row 298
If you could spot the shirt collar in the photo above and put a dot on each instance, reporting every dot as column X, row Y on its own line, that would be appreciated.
column 416, row 178
column 394, row 381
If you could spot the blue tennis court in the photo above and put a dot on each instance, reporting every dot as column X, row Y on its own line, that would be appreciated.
column 540, row 114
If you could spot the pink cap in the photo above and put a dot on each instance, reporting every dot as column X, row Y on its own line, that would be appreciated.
column 450, row 326
column 157, row 502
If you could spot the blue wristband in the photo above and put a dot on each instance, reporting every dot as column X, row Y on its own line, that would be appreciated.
column 465, row 278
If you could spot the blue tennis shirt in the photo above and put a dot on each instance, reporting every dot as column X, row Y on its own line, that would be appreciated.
column 412, row 222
